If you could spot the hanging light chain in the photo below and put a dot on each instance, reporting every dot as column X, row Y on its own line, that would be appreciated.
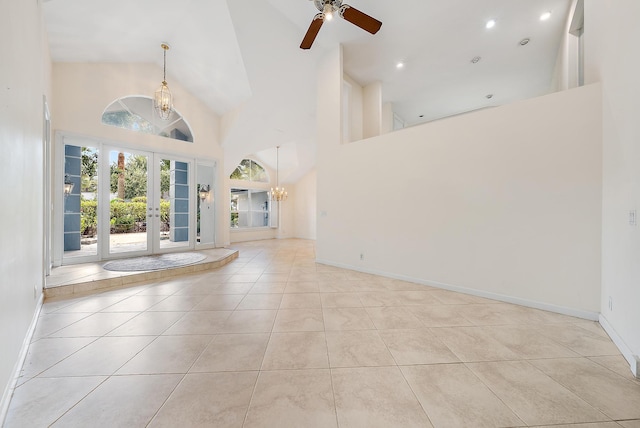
column 164, row 67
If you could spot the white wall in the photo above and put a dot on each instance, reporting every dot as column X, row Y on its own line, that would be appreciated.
column 505, row 201
column 387, row 118
column 304, row 206
column 25, row 77
column 244, row 235
column 611, row 41
column 372, row 109
column 565, row 75
column 83, row 90
column 356, row 120
column 329, row 98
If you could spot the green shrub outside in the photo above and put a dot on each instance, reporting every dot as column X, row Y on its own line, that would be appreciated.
column 89, row 217
column 164, row 211
column 124, row 215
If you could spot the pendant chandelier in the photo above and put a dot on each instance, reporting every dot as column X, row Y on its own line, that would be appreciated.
column 278, row 194
column 163, row 100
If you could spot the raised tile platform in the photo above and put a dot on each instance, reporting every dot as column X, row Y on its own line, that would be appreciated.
column 90, row 277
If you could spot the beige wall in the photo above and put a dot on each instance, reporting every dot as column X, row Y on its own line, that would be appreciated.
column 25, row 77
column 503, row 202
column 82, row 91
column 611, row 39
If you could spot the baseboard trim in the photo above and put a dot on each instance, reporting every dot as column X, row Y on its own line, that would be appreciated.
column 633, row 360
column 579, row 313
column 11, row 386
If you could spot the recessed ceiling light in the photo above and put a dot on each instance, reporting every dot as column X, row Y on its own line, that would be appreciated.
column 525, row 41
column 545, row 16
column 491, row 23
column 489, row 96
column 400, row 65
column 475, row 59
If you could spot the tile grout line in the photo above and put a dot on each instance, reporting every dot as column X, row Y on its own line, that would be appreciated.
column 255, row 385
column 466, row 365
column 80, row 400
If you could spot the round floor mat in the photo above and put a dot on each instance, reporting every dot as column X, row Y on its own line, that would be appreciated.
column 163, row 261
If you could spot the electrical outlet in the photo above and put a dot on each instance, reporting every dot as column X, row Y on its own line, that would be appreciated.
column 361, row 256
column 633, row 218
column 35, row 291
column 610, row 303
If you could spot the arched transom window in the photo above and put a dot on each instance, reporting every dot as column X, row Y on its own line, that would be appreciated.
column 249, row 170
column 136, row 114
column 250, row 203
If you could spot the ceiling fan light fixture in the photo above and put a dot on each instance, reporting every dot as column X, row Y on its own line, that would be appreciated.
column 327, row 9
column 327, row 12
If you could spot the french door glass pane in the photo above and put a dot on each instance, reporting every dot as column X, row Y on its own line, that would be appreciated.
column 80, row 201
column 128, row 201
column 259, row 208
column 249, row 208
column 174, row 203
column 205, row 219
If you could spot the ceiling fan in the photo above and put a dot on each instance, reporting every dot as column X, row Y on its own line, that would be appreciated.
column 327, row 9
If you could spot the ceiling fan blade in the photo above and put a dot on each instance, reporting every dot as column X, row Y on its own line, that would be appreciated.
column 360, row 19
column 312, row 32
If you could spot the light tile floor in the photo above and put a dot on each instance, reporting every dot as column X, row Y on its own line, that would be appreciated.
column 275, row 340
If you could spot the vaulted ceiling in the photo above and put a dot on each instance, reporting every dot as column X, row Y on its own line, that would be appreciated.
column 242, row 58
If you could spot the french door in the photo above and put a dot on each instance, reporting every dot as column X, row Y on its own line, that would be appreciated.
column 121, row 202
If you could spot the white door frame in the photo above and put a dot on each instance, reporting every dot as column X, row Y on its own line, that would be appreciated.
column 46, row 197
column 104, row 226
column 157, row 157
column 153, row 241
